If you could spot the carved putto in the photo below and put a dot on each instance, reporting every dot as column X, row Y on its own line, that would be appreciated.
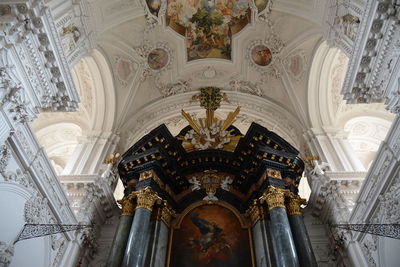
column 210, row 181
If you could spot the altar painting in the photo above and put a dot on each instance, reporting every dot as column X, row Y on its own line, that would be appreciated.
column 210, row 235
column 208, row 25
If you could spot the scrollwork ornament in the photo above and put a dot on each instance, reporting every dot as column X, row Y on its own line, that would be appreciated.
column 146, row 199
column 293, row 204
column 275, row 197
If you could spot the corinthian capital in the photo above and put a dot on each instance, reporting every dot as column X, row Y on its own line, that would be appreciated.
column 256, row 212
column 146, row 198
column 128, row 204
column 166, row 213
column 293, row 204
column 275, row 197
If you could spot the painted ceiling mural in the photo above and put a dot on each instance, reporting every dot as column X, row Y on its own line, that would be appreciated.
column 208, row 25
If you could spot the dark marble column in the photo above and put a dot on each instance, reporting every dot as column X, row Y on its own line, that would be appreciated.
column 300, row 235
column 283, row 244
column 121, row 235
column 261, row 235
column 139, row 235
column 159, row 242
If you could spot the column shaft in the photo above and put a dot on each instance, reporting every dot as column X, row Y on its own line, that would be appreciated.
column 138, row 238
column 283, row 244
column 262, row 244
column 135, row 252
column 302, row 241
column 159, row 247
column 119, row 242
column 301, row 238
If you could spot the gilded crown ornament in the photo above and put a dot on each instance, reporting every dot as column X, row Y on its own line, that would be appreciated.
column 210, row 132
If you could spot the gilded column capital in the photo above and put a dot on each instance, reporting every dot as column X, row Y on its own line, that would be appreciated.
column 275, row 197
column 256, row 212
column 128, row 204
column 293, row 204
column 146, row 198
column 166, row 213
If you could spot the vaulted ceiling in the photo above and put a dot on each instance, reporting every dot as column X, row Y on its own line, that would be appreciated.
column 143, row 70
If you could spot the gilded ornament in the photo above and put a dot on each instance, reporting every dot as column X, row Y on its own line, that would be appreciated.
column 293, row 204
column 113, row 159
column 128, row 204
column 210, row 132
column 256, row 212
column 309, row 160
column 274, row 173
column 275, row 197
column 146, row 198
column 166, row 213
column 210, row 181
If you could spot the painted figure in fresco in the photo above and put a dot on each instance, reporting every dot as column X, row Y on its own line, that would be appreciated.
column 208, row 25
column 212, row 242
column 212, row 236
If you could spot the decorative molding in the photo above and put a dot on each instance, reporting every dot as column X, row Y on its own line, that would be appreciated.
column 178, row 87
column 144, row 51
column 246, row 87
column 296, row 64
column 20, row 178
column 6, row 254
column 125, row 69
column 275, row 45
column 374, row 64
column 35, row 41
column 343, row 22
column 36, row 210
column 4, row 157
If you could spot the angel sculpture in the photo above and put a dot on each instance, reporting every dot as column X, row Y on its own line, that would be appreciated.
column 226, row 182
column 195, row 183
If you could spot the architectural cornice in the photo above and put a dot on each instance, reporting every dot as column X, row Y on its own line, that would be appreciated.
column 374, row 64
column 42, row 69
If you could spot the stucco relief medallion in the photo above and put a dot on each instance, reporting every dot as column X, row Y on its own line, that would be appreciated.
column 125, row 69
column 261, row 55
column 157, row 58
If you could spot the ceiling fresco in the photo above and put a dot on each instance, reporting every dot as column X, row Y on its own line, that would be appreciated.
column 208, row 26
